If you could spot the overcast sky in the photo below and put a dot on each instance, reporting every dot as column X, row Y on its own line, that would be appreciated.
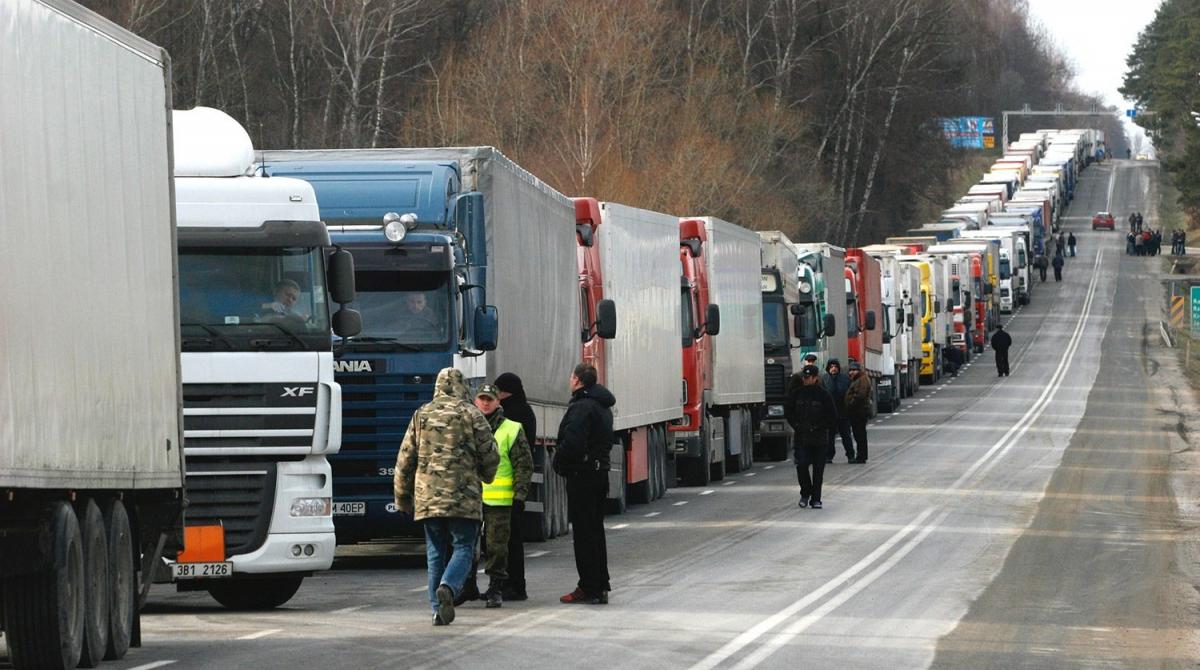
column 1097, row 35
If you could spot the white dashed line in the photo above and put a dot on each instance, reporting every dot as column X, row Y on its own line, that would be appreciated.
column 419, row 590
column 620, row 526
column 347, row 610
column 151, row 666
column 707, row 492
column 262, row 633
column 536, row 554
column 751, row 474
column 681, row 502
column 729, row 483
column 651, row 514
column 768, row 467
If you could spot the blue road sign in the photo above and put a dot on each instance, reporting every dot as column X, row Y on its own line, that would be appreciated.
column 1196, row 310
column 1131, row 112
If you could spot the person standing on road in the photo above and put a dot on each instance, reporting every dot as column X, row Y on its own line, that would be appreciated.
column 1001, row 341
column 1139, row 244
column 1140, row 221
column 811, row 413
column 1058, row 266
column 1071, row 244
column 1133, row 222
column 504, row 492
column 837, row 383
column 446, row 456
column 858, row 409
column 1041, row 264
column 585, row 437
column 516, row 408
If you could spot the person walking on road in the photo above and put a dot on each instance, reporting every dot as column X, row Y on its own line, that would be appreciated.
column 1071, row 244
column 1058, row 266
column 837, row 383
column 503, row 495
column 858, row 409
column 585, row 438
column 811, row 414
column 1041, row 264
column 1001, row 341
column 446, row 456
column 516, row 408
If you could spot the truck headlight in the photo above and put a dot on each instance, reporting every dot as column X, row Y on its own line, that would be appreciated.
column 312, row 507
column 774, row 410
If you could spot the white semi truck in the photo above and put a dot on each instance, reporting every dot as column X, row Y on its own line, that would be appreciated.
column 261, row 409
column 91, row 466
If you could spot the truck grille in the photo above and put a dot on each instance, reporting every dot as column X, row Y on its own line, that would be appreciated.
column 376, row 410
column 238, row 496
column 776, row 382
column 270, row 415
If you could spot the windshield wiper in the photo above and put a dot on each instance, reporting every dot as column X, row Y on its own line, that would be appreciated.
column 211, row 331
column 380, row 340
column 292, row 336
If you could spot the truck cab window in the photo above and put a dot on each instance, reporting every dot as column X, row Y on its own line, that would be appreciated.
column 406, row 308
column 775, row 325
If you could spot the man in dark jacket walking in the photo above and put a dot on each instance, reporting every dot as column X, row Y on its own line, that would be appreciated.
column 516, row 408
column 1041, row 264
column 837, row 383
column 1057, row 264
column 585, row 437
column 858, row 409
column 811, row 413
column 1071, row 241
column 1001, row 341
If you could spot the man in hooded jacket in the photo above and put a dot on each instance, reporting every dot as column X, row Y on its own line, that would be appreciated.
column 448, row 452
column 811, row 414
column 516, row 408
column 585, row 438
column 837, row 383
column 1001, row 341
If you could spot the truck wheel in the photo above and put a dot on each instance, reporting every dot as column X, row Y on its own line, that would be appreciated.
column 665, row 476
column 122, row 579
column 258, row 593
column 656, row 463
column 694, row 471
column 618, row 499
column 96, row 585
column 44, row 611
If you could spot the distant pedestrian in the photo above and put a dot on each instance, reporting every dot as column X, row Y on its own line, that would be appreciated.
column 809, row 359
column 811, row 413
column 837, row 383
column 953, row 359
column 1133, row 222
column 1071, row 241
column 1140, row 222
column 1041, row 263
column 585, row 438
column 1001, row 341
column 516, row 408
column 1058, row 266
column 1129, row 245
column 446, row 456
column 502, row 495
column 858, row 409
column 1139, row 244
column 1183, row 243
column 1060, row 246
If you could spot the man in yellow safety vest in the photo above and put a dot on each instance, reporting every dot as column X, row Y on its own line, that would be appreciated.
column 510, row 485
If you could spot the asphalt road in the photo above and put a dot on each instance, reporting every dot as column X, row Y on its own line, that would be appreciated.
column 1044, row 520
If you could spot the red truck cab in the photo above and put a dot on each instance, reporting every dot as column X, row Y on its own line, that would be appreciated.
column 591, row 281
column 863, row 275
column 981, row 301
column 700, row 322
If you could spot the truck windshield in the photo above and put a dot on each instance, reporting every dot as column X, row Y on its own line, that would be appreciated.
column 408, row 309
column 775, row 325
column 1005, row 268
column 253, row 299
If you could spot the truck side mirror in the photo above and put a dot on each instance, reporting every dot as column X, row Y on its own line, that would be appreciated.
column 341, row 276
column 911, row 320
column 712, row 319
column 900, row 318
column 486, row 327
column 830, row 326
column 870, row 323
column 950, row 303
column 469, row 222
column 606, row 319
column 988, row 289
column 803, row 329
column 347, row 322
column 887, row 337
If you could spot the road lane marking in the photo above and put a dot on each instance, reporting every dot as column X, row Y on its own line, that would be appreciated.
column 729, row 483
column 651, row 515
column 768, row 467
column 681, row 502
column 707, row 492
column 536, row 554
column 347, row 610
column 751, row 474
column 262, row 633
column 422, row 589
column 766, row 625
column 620, row 526
column 1112, row 180
column 151, row 666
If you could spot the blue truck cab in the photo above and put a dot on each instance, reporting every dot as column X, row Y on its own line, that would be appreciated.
column 420, row 261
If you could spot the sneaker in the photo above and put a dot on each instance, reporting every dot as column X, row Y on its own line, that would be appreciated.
column 859, row 461
column 816, row 504
column 803, row 501
column 445, row 598
column 581, row 597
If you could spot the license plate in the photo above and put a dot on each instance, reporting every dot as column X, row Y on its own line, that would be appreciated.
column 349, row 508
column 201, row 570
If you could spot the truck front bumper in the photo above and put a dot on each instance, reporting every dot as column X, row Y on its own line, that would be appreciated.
column 688, row 445
column 278, row 554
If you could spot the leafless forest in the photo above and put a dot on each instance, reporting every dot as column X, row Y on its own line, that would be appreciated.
column 815, row 117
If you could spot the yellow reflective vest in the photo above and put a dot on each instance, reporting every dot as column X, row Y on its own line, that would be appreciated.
column 500, row 492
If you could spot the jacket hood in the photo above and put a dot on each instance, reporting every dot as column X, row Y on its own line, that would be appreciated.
column 450, row 384
column 598, row 393
column 511, row 383
column 832, row 362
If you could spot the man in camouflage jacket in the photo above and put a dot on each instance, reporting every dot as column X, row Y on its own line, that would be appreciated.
column 446, row 455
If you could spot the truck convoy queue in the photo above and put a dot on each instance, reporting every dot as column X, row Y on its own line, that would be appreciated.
column 198, row 413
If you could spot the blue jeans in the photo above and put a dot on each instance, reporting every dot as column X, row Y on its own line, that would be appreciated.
column 449, row 552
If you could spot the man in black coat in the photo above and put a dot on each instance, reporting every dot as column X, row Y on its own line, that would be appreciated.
column 585, row 437
column 811, row 413
column 837, row 383
column 1057, row 264
column 516, row 407
column 1001, row 341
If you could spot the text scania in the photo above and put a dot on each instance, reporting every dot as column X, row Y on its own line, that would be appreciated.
column 352, row 366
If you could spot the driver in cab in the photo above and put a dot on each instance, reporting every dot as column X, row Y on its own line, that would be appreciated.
column 419, row 319
column 285, row 294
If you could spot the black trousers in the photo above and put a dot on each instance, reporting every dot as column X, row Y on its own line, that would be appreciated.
column 810, row 471
column 843, row 429
column 1002, row 362
column 586, row 492
column 1042, row 272
column 1057, row 274
column 859, row 428
column 516, row 555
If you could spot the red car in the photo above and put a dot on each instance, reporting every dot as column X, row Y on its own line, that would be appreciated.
column 1104, row 220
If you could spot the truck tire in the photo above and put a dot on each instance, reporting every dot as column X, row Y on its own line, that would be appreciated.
column 618, row 500
column 44, row 611
column 256, row 593
column 96, row 584
column 664, row 481
column 122, row 594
